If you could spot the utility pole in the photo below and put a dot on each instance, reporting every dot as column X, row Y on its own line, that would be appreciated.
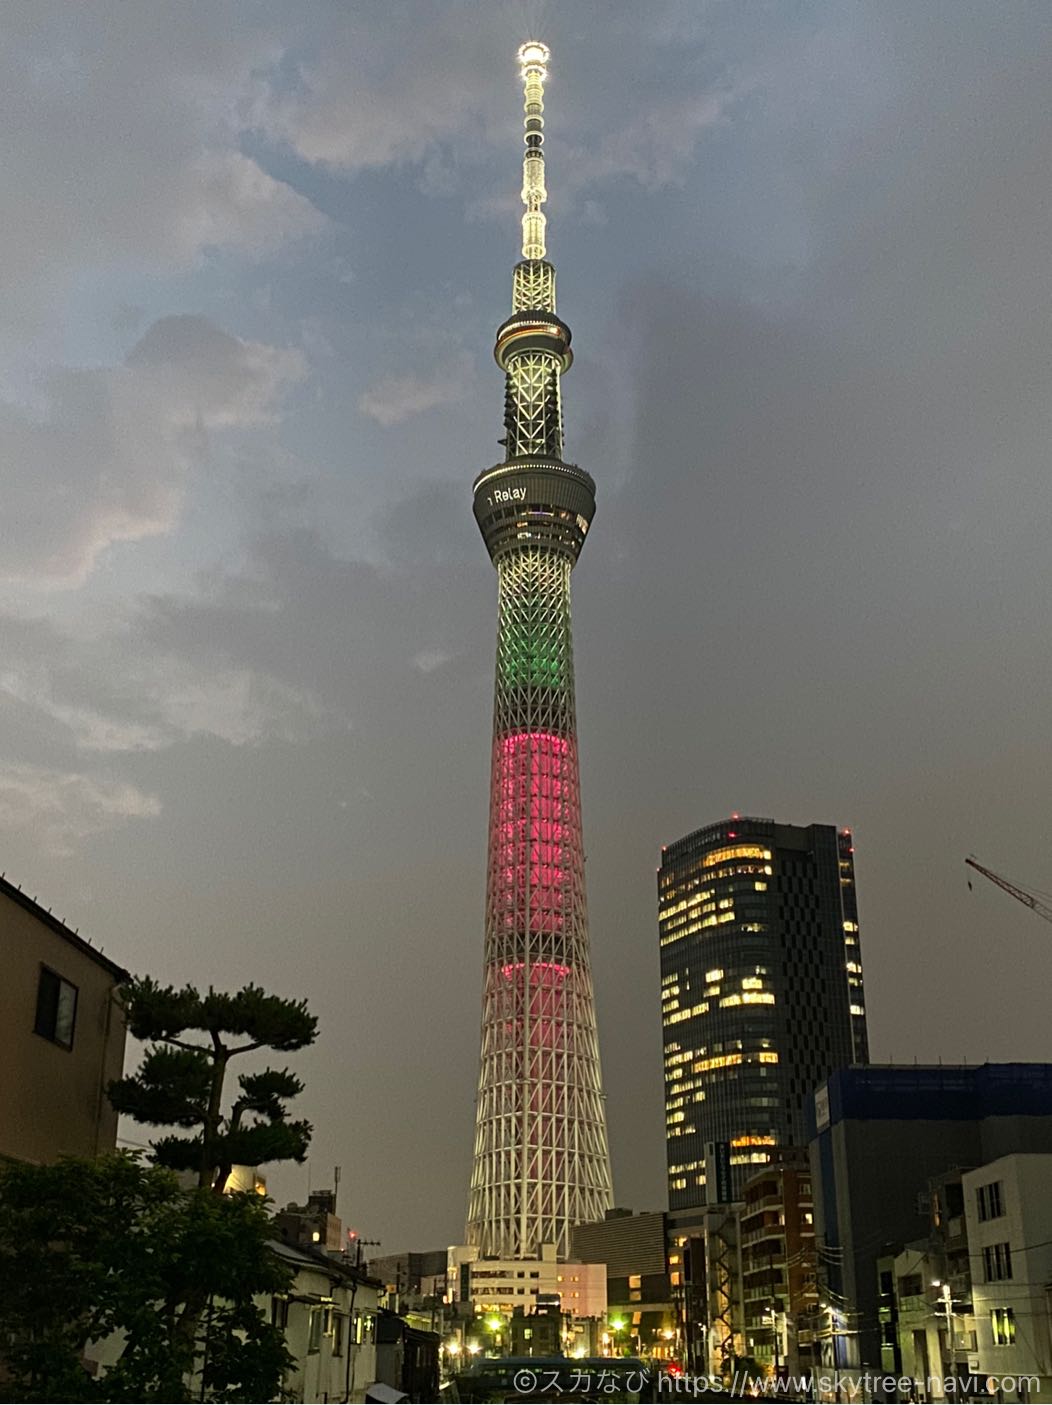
column 373, row 1243
column 947, row 1304
column 351, row 1335
column 774, row 1315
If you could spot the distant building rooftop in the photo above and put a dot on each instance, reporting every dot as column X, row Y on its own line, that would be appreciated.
column 306, row 1256
column 934, row 1092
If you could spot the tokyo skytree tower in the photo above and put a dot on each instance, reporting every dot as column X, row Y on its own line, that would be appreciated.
column 542, row 1162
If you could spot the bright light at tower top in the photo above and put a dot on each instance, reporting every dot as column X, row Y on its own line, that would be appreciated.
column 533, row 59
column 534, row 54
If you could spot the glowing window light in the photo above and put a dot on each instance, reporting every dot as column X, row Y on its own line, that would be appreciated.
column 738, row 851
column 717, row 1061
column 694, row 1010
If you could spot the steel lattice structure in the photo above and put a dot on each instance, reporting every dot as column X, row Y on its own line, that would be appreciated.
column 542, row 1163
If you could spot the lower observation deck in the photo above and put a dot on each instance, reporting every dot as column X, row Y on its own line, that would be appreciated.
column 534, row 502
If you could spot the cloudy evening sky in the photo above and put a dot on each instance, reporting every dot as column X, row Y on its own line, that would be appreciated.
column 253, row 256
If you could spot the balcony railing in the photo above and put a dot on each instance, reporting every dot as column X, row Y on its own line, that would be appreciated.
column 765, row 1202
column 764, row 1292
column 767, row 1231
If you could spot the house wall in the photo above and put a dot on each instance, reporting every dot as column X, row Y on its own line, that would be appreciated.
column 1026, row 1226
column 323, row 1367
column 52, row 1099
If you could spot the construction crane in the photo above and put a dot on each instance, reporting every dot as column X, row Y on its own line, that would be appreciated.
column 1041, row 908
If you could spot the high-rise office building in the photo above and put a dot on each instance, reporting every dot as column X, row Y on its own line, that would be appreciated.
column 541, row 1159
column 761, row 991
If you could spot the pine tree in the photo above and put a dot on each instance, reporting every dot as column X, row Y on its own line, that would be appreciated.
column 181, row 1081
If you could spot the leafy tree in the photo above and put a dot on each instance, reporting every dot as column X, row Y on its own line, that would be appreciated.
column 116, row 1252
column 181, row 1080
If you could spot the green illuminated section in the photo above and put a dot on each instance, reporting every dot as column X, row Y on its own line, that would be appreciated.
column 533, row 641
column 532, row 653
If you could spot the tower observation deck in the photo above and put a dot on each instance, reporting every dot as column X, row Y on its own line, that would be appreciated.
column 541, row 1160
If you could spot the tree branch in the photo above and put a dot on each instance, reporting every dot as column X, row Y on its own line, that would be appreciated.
column 182, row 1043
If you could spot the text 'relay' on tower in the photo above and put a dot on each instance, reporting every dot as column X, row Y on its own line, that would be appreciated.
column 541, row 1161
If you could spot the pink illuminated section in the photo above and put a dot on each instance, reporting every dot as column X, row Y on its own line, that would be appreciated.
column 541, row 972
column 538, row 992
column 536, row 824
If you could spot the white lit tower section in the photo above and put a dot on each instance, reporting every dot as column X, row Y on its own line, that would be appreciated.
column 541, row 1162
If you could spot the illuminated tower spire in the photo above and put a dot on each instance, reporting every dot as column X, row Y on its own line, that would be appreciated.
column 541, row 1159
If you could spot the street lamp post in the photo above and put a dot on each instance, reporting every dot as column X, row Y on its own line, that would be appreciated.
column 453, row 1349
column 617, row 1326
column 775, row 1344
column 946, row 1298
column 495, row 1324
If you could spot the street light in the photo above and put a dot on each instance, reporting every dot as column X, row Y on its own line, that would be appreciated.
column 772, row 1317
column 946, row 1298
column 495, row 1323
column 452, row 1348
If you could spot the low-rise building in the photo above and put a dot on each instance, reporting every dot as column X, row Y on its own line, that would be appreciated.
column 407, row 1359
column 411, row 1274
column 882, row 1135
column 779, row 1266
column 329, row 1320
column 934, row 1330
column 639, row 1289
column 1008, row 1209
column 62, row 1033
column 500, row 1285
column 536, row 1333
column 314, row 1224
column 705, row 1272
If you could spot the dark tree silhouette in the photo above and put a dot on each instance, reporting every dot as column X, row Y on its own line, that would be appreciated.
column 181, row 1081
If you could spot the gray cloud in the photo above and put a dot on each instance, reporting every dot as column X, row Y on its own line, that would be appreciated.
column 105, row 459
column 62, row 808
column 435, row 96
column 132, row 117
column 395, row 398
column 117, row 692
